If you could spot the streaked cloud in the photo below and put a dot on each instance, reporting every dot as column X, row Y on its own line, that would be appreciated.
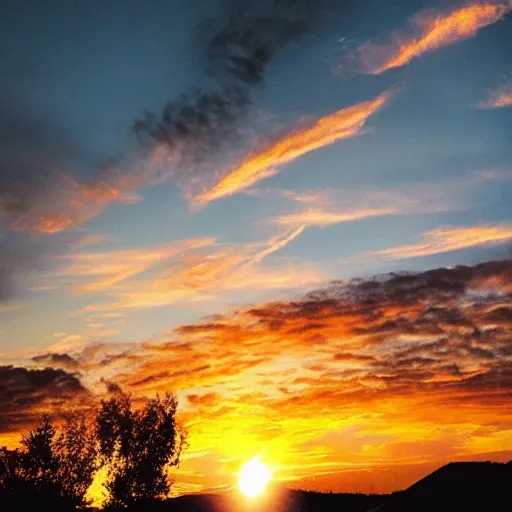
column 324, row 218
column 201, row 274
column 450, row 239
column 266, row 162
column 431, row 30
column 499, row 98
column 334, row 206
column 115, row 266
column 68, row 203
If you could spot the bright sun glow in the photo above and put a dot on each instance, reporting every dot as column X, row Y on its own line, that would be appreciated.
column 254, row 477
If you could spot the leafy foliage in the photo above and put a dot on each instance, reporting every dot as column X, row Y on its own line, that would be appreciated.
column 56, row 466
column 76, row 458
column 138, row 447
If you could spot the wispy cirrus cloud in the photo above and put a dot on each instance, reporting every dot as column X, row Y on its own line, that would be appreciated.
column 8, row 307
column 431, row 31
column 266, row 162
column 447, row 239
column 110, row 267
column 499, row 98
column 188, row 270
column 236, row 46
column 334, row 206
column 321, row 218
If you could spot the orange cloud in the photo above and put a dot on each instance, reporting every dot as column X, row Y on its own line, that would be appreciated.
column 450, row 239
column 379, row 365
column 116, row 266
column 262, row 164
column 433, row 30
column 331, row 206
column 322, row 218
column 200, row 275
column 499, row 98
column 70, row 203
column 347, row 380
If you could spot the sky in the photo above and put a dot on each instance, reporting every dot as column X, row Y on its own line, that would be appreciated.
column 296, row 215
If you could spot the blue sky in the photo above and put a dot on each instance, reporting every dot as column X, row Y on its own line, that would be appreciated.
column 82, row 74
column 104, row 241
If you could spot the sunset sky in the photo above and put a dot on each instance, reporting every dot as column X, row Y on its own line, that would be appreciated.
column 295, row 215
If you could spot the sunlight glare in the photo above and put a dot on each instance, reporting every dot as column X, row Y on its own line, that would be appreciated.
column 254, row 477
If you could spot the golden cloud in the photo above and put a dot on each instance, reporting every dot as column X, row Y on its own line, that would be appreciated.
column 266, row 162
column 319, row 217
column 115, row 266
column 352, row 376
column 432, row 30
column 348, row 379
column 200, row 274
column 72, row 203
column 450, row 239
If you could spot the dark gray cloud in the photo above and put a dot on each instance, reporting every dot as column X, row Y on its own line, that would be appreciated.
column 244, row 41
column 34, row 151
column 50, row 182
column 26, row 393
column 238, row 47
column 56, row 361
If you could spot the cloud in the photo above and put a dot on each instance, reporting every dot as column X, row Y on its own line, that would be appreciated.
column 323, row 218
column 450, row 239
column 206, row 273
column 115, row 266
column 333, row 206
column 26, row 393
column 68, row 204
column 341, row 379
column 245, row 39
column 238, row 45
column 7, row 307
column 50, row 183
column 499, row 98
column 431, row 31
column 38, row 191
column 266, row 162
column 394, row 354
column 54, row 360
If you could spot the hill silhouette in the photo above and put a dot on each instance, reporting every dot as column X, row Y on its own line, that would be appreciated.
column 458, row 486
column 275, row 500
column 478, row 486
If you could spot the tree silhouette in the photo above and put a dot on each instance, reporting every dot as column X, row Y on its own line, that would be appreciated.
column 39, row 463
column 138, row 447
column 76, row 458
column 10, row 478
column 54, row 466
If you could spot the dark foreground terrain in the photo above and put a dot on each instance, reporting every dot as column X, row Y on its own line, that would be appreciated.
column 459, row 486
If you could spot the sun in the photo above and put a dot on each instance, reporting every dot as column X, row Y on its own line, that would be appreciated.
column 254, row 477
